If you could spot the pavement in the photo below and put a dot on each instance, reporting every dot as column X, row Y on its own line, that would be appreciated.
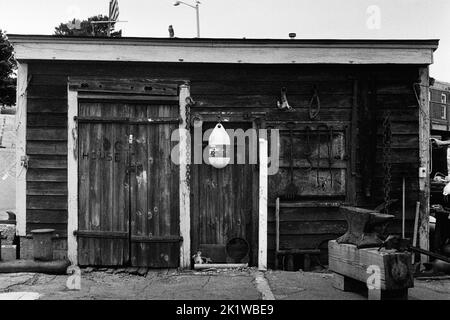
column 247, row 284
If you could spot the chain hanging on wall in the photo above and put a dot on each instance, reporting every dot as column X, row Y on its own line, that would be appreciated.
column 387, row 141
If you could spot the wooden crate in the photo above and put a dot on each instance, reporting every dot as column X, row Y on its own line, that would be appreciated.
column 364, row 265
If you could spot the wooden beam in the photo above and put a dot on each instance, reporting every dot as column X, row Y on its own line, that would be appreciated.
column 263, row 195
column 21, row 149
column 143, row 239
column 224, row 51
column 128, row 98
column 277, row 231
column 424, row 159
column 72, row 176
column 220, row 266
column 185, row 160
column 382, row 270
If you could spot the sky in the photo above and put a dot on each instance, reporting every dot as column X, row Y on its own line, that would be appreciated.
column 309, row 19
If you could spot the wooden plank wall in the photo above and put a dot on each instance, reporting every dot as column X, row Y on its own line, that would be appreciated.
column 241, row 89
column 394, row 92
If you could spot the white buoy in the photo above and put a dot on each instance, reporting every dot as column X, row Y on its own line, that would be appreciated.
column 446, row 190
column 219, row 141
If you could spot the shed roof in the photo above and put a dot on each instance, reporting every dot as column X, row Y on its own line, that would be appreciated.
column 441, row 85
column 220, row 50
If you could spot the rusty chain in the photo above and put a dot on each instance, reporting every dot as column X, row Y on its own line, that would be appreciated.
column 387, row 140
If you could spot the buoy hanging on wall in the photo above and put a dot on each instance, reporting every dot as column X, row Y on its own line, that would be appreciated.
column 219, row 141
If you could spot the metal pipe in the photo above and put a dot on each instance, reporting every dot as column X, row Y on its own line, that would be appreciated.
column 197, row 8
column 430, row 254
column 220, row 266
column 416, row 225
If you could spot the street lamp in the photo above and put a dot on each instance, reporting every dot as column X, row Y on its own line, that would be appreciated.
column 197, row 9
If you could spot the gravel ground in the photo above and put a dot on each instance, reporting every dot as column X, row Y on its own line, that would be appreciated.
column 190, row 285
column 156, row 285
column 318, row 286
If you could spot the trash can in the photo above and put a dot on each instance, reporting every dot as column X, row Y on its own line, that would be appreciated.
column 43, row 244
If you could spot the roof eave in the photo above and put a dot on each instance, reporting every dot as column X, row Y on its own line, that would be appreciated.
column 203, row 50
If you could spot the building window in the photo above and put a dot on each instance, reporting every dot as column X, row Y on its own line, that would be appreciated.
column 444, row 98
column 443, row 112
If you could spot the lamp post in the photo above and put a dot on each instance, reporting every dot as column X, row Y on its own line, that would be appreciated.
column 197, row 10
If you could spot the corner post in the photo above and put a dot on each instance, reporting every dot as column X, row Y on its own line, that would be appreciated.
column 263, row 195
column 424, row 159
column 185, row 160
column 72, row 176
column 21, row 150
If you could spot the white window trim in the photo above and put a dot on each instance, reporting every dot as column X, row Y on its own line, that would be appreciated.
column 443, row 112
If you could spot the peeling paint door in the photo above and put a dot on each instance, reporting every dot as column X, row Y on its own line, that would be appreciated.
column 128, row 185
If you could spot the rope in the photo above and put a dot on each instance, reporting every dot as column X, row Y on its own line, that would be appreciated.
column 313, row 114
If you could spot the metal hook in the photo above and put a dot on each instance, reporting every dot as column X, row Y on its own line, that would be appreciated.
column 284, row 104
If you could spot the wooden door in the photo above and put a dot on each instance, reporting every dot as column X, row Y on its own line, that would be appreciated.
column 128, row 185
column 155, row 235
column 222, row 200
column 103, row 187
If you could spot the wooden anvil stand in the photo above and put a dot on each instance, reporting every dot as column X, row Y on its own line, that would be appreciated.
column 358, row 263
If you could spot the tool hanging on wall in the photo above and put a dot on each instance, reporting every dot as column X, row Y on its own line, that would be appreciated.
column 329, row 129
column 291, row 189
column 308, row 150
column 313, row 114
column 283, row 104
column 318, row 157
column 330, row 154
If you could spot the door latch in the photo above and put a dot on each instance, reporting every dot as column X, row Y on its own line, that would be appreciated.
column 130, row 139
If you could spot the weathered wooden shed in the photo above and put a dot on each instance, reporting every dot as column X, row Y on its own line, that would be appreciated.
column 95, row 117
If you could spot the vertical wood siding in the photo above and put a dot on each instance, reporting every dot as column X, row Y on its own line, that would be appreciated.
column 239, row 89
